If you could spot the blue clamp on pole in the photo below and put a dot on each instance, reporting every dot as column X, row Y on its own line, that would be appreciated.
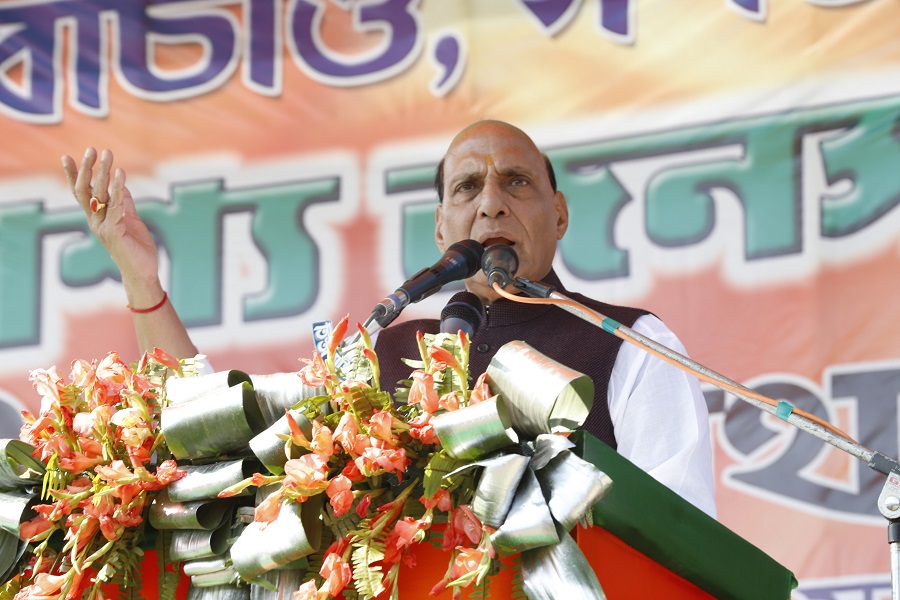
column 784, row 410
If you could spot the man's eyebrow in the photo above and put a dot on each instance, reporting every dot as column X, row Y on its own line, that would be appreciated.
column 465, row 176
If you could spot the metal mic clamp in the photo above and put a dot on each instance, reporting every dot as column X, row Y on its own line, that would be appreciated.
column 500, row 263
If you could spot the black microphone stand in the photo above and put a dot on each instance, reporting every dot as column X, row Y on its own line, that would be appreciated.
column 888, row 500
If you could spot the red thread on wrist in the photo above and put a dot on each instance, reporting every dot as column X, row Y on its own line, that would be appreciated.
column 155, row 307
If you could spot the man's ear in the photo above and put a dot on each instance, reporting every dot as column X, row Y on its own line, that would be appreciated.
column 562, row 211
column 438, row 222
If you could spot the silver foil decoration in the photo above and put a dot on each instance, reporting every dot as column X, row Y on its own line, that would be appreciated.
column 217, row 421
column 496, row 487
column 279, row 392
column 193, row 544
column 529, row 523
column 11, row 550
column 286, row 583
column 15, row 507
column 270, row 449
column 296, row 532
column 206, row 565
column 219, row 592
column 198, row 514
column 559, row 571
column 204, row 482
column 17, row 467
column 186, row 389
column 543, row 396
column 215, row 578
column 475, row 430
column 574, row 486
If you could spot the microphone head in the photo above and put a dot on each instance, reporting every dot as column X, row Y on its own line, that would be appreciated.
column 464, row 311
column 470, row 252
column 500, row 263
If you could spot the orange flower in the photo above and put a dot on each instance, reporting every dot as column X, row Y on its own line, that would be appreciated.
column 165, row 359
column 441, row 500
column 380, row 426
column 36, row 526
column 308, row 591
column 442, row 359
column 422, row 391
column 450, row 401
column 336, row 572
column 340, row 330
column 480, row 391
column 404, row 534
column 322, row 442
column 315, row 373
column 309, row 474
column 346, row 431
column 339, row 490
column 463, row 525
column 267, row 510
column 422, row 429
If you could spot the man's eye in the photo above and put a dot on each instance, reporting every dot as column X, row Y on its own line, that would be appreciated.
column 465, row 187
column 519, row 181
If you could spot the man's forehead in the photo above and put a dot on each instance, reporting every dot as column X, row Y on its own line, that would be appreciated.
column 467, row 158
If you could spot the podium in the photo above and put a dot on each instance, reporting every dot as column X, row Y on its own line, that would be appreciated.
column 647, row 542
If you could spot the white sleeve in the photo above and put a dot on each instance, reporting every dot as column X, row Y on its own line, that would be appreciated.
column 660, row 418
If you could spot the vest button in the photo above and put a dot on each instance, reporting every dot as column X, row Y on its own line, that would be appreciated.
column 483, row 348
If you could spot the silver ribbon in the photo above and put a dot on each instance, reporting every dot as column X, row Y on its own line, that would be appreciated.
column 17, row 467
column 199, row 514
column 296, row 532
column 286, row 582
column 204, row 566
column 214, row 421
column 185, row 389
column 475, row 430
column 270, row 449
column 543, row 396
column 204, row 482
column 215, row 578
column 559, row 571
column 15, row 508
column 532, row 501
column 193, row 544
column 280, row 391
column 219, row 592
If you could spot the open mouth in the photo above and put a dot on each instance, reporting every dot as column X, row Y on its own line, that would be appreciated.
column 497, row 240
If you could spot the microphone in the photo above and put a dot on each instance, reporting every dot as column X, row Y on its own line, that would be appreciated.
column 463, row 312
column 460, row 261
column 500, row 263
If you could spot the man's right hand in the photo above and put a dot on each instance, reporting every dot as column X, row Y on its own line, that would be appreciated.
column 113, row 218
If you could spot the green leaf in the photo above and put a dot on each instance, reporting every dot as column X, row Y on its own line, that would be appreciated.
column 438, row 467
column 367, row 573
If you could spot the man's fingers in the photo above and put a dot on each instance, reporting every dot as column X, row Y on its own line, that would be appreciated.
column 116, row 193
column 82, row 189
column 99, row 190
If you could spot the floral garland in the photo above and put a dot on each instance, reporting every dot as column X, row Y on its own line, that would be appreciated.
column 370, row 465
column 365, row 448
column 97, row 437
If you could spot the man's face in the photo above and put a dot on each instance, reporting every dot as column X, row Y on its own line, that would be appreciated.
column 497, row 191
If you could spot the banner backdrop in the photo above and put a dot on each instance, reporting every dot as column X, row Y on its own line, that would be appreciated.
column 731, row 165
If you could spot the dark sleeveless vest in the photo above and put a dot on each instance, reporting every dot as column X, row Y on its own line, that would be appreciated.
column 552, row 331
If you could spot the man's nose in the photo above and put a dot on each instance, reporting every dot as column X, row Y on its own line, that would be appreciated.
column 493, row 200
